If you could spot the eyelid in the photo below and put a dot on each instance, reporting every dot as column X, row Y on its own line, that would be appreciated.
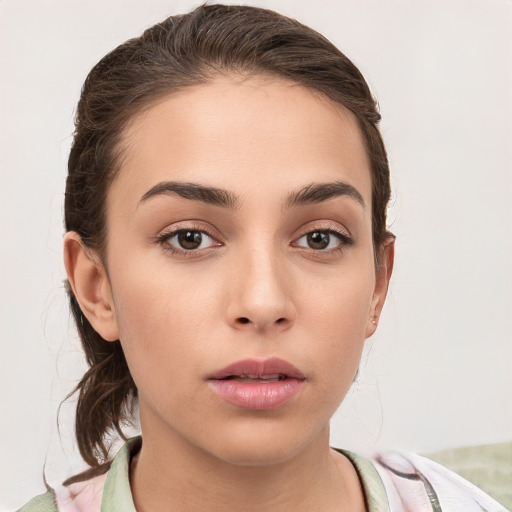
column 324, row 225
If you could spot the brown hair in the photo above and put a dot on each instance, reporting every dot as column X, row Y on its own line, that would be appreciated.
column 179, row 52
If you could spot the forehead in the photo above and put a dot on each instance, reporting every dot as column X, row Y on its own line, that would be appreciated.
column 258, row 135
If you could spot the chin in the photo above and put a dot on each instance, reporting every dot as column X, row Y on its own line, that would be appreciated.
column 262, row 443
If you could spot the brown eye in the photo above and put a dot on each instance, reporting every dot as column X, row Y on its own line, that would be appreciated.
column 318, row 239
column 325, row 240
column 189, row 239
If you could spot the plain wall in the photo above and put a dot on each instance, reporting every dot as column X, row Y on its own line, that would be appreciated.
column 438, row 372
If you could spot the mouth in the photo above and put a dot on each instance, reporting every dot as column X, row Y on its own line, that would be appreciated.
column 257, row 378
column 257, row 385
column 274, row 369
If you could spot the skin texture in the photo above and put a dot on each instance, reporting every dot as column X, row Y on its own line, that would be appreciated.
column 255, row 288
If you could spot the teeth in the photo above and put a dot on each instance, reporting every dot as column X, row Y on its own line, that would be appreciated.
column 275, row 376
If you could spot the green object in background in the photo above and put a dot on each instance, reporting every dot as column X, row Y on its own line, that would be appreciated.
column 487, row 466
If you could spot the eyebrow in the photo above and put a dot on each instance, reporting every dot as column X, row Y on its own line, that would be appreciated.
column 196, row 192
column 317, row 193
column 310, row 194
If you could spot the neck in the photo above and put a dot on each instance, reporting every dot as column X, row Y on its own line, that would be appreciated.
column 170, row 474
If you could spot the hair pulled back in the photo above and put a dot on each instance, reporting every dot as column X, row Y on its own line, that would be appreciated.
column 182, row 51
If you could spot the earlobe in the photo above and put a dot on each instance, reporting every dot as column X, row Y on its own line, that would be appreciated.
column 383, row 275
column 90, row 285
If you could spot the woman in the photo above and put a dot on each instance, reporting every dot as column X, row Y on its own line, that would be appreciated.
column 227, row 256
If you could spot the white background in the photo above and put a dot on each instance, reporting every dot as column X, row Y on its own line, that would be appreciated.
column 438, row 373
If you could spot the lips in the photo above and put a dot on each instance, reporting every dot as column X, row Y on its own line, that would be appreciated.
column 258, row 385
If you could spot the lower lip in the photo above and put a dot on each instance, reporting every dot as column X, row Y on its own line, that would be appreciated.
column 257, row 395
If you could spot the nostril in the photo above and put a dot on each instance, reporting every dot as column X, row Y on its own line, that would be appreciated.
column 244, row 320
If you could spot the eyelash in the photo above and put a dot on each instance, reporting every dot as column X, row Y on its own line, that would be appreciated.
column 344, row 240
column 164, row 240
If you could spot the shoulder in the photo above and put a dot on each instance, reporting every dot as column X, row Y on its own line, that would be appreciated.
column 82, row 496
column 42, row 503
column 414, row 482
column 107, row 491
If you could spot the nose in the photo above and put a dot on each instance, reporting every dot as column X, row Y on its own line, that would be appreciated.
column 260, row 297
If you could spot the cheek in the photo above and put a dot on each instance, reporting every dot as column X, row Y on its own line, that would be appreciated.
column 339, row 301
column 164, row 320
column 151, row 295
column 336, row 316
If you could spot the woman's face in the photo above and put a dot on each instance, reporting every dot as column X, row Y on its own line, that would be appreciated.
column 240, row 265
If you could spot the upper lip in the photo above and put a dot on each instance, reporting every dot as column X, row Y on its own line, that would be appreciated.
column 258, row 368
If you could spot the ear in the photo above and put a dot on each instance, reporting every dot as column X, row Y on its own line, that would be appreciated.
column 382, row 277
column 91, row 287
